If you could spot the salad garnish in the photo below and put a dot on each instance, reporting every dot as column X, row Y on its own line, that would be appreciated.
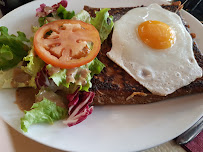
column 66, row 44
column 60, row 61
column 44, row 111
column 103, row 23
column 78, row 107
column 42, row 80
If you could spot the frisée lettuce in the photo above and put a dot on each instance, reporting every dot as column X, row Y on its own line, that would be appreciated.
column 34, row 63
column 44, row 111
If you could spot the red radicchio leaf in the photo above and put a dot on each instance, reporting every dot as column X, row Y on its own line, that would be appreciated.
column 44, row 10
column 79, row 107
column 42, row 79
column 64, row 3
column 41, row 8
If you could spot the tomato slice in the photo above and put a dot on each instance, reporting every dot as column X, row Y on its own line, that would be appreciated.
column 63, row 43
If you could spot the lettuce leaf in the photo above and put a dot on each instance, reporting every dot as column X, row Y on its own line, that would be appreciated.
column 95, row 66
column 103, row 23
column 88, row 84
column 5, row 53
column 12, row 48
column 82, row 16
column 60, row 77
column 64, row 14
column 34, row 65
column 59, row 13
column 44, row 111
column 34, row 30
column 44, row 10
column 42, row 21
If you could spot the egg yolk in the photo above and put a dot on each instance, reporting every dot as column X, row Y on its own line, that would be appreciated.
column 156, row 34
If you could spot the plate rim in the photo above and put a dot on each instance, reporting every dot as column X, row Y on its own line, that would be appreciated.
column 52, row 145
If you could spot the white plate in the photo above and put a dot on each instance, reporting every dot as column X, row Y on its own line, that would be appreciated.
column 109, row 128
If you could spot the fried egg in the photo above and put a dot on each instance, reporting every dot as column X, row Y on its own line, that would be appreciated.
column 153, row 46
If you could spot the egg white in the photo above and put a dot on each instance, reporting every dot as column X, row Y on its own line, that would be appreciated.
column 160, row 71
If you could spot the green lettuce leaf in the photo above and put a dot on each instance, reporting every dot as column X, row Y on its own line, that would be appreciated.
column 95, row 66
column 61, row 13
column 82, row 16
column 88, row 84
column 59, row 78
column 34, row 64
column 64, row 14
column 42, row 21
column 5, row 54
column 44, row 111
column 103, row 23
column 34, row 30
column 12, row 48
